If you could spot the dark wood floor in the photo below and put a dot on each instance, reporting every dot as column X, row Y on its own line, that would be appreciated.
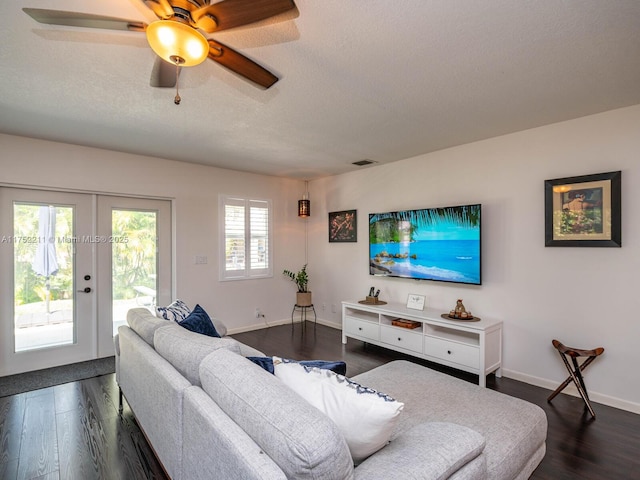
column 74, row 431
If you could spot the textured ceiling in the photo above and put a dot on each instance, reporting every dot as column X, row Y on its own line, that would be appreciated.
column 376, row 79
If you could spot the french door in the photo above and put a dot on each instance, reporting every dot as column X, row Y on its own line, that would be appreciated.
column 135, row 270
column 72, row 264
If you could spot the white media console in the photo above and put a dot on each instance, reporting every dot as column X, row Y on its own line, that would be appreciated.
column 471, row 346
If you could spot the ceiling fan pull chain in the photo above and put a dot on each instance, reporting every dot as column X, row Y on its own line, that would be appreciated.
column 177, row 98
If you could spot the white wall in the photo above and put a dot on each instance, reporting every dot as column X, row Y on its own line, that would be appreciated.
column 585, row 297
column 194, row 189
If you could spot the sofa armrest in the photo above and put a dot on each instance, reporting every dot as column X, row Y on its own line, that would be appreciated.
column 429, row 451
column 247, row 351
column 215, row 446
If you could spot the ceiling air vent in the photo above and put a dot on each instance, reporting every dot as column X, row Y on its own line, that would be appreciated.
column 362, row 163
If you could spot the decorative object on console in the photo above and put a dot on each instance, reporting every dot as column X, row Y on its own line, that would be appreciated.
column 583, row 211
column 373, row 298
column 398, row 322
column 415, row 302
column 301, row 279
column 441, row 244
column 372, row 301
column 343, row 226
column 460, row 312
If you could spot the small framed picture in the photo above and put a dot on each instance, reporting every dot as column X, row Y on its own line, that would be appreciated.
column 415, row 302
column 583, row 211
column 343, row 226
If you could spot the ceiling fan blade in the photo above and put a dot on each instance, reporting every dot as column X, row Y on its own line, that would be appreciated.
column 240, row 64
column 236, row 13
column 164, row 74
column 77, row 19
column 162, row 8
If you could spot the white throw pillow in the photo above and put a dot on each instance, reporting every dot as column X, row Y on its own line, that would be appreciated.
column 365, row 417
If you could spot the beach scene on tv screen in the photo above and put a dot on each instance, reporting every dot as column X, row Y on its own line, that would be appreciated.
column 440, row 244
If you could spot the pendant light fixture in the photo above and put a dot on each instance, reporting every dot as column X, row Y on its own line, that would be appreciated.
column 304, row 205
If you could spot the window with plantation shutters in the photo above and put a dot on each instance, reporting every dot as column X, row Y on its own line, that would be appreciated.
column 245, row 238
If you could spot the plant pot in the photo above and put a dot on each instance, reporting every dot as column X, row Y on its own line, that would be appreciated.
column 303, row 299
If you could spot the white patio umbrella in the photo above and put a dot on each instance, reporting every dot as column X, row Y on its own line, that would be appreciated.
column 45, row 262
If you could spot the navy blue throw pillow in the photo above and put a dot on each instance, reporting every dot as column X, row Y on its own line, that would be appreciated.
column 267, row 363
column 199, row 322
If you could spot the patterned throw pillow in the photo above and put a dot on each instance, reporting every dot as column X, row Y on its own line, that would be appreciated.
column 177, row 311
column 267, row 363
column 365, row 416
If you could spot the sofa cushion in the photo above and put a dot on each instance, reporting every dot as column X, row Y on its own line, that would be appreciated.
column 176, row 311
column 267, row 363
column 365, row 417
column 302, row 441
column 144, row 323
column 515, row 430
column 443, row 448
column 198, row 321
column 185, row 350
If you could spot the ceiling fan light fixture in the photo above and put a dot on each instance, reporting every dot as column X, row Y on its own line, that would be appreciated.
column 172, row 40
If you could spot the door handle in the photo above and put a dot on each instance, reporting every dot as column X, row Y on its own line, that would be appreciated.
column 85, row 290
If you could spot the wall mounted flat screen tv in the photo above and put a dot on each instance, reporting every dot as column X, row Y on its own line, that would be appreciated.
column 441, row 244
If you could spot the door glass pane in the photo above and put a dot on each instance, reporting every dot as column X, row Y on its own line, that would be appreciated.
column 133, row 262
column 43, row 276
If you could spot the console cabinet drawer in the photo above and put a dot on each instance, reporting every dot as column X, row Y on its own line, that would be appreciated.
column 459, row 353
column 401, row 338
column 362, row 328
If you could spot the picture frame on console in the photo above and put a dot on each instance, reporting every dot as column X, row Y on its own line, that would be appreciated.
column 583, row 211
column 415, row 302
column 343, row 226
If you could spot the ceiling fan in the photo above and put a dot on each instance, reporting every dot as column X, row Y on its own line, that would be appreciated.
column 176, row 36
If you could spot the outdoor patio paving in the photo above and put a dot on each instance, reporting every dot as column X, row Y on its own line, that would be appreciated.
column 35, row 328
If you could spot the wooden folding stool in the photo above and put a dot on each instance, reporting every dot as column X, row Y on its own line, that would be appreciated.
column 575, row 373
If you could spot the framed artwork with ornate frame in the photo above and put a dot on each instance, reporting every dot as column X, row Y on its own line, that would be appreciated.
column 583, row 211
column 343, row 226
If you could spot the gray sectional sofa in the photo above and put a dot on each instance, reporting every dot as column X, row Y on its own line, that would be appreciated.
column 209, row 413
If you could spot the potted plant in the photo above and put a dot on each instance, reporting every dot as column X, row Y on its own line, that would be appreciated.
column 301, row 279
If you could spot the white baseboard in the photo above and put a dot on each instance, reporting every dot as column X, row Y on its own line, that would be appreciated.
column 551, row 385
column 257, row 326
column 275, row 323
column 329, row 323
